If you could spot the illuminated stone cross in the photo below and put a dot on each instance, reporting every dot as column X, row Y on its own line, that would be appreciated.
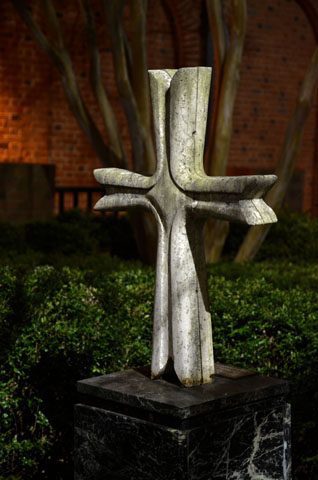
column 181, row 196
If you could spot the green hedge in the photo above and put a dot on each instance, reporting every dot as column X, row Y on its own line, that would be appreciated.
column 8, row 290
column 71, row 233
column 72, row 324
column 293, row 238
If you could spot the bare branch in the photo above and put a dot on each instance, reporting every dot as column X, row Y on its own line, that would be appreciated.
column 294, row 133
column 228, row 90
column 139, row 75
column 37, row 32
column 114, row 14
column 217, row 29
column 54, row 24
column 228, row 73
column 286, row 165
column 62, row 61
column 98, row 86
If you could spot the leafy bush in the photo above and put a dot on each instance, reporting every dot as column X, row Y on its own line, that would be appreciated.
column 292, row 238
column 7, row 300
column 72, row 330
column 48, row 237
column 78, row 323
column 11, row 237
column 71, row 233
column 261, row 326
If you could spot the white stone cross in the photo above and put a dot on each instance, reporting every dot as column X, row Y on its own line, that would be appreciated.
column 181, row 196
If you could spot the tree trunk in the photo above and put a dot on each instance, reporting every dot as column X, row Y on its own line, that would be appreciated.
column 256, row 235
column 134, row 93
column 143, row 223
column 110, row 122
column 139, row 79
column 217, row 29
column 216, row 231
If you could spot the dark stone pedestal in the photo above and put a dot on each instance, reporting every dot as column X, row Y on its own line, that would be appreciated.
column 128, row 427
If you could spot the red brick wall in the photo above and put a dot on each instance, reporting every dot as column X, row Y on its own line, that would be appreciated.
column 24, row 102
column 279, row 44
column 36, row 125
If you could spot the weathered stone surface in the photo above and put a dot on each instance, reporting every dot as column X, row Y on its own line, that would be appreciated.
column 181, row 196
column 130, row 427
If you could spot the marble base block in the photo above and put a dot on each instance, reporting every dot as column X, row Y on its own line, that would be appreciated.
column 128, row 427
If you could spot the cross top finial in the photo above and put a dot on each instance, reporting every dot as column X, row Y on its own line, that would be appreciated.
column 181, row 196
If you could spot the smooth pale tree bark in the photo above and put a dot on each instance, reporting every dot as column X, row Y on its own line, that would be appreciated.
column 228, row 60
column 127, row 60
column 110, row 122
column 144, row 226
column 228, row 87
column 139, row 77
column 142, row 145
column 217, row 29
column 58, row 53
column 274, row 198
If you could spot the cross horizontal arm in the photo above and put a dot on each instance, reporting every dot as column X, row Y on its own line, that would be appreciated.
column 189, row 91
column 244, row 187
column 122, row 201
column 118, row 177
column 252, row 212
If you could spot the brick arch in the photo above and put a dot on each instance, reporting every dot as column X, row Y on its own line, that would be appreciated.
column 311, row 11
column 185, row 16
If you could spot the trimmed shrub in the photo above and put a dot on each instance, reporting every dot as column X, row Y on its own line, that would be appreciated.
column 78, row 324
column 72, row 233
column 11, row 237
column 71, row 331
column 54, row 236
column 261, row 326
column 292, row 238
column 8, row 289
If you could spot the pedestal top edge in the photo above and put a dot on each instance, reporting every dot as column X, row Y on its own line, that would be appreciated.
column 135, row 389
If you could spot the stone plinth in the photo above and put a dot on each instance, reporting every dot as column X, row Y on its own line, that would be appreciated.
column 128, row 427
column 26, row 192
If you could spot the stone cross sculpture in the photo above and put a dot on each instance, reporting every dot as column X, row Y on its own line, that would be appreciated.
column 181, row 196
